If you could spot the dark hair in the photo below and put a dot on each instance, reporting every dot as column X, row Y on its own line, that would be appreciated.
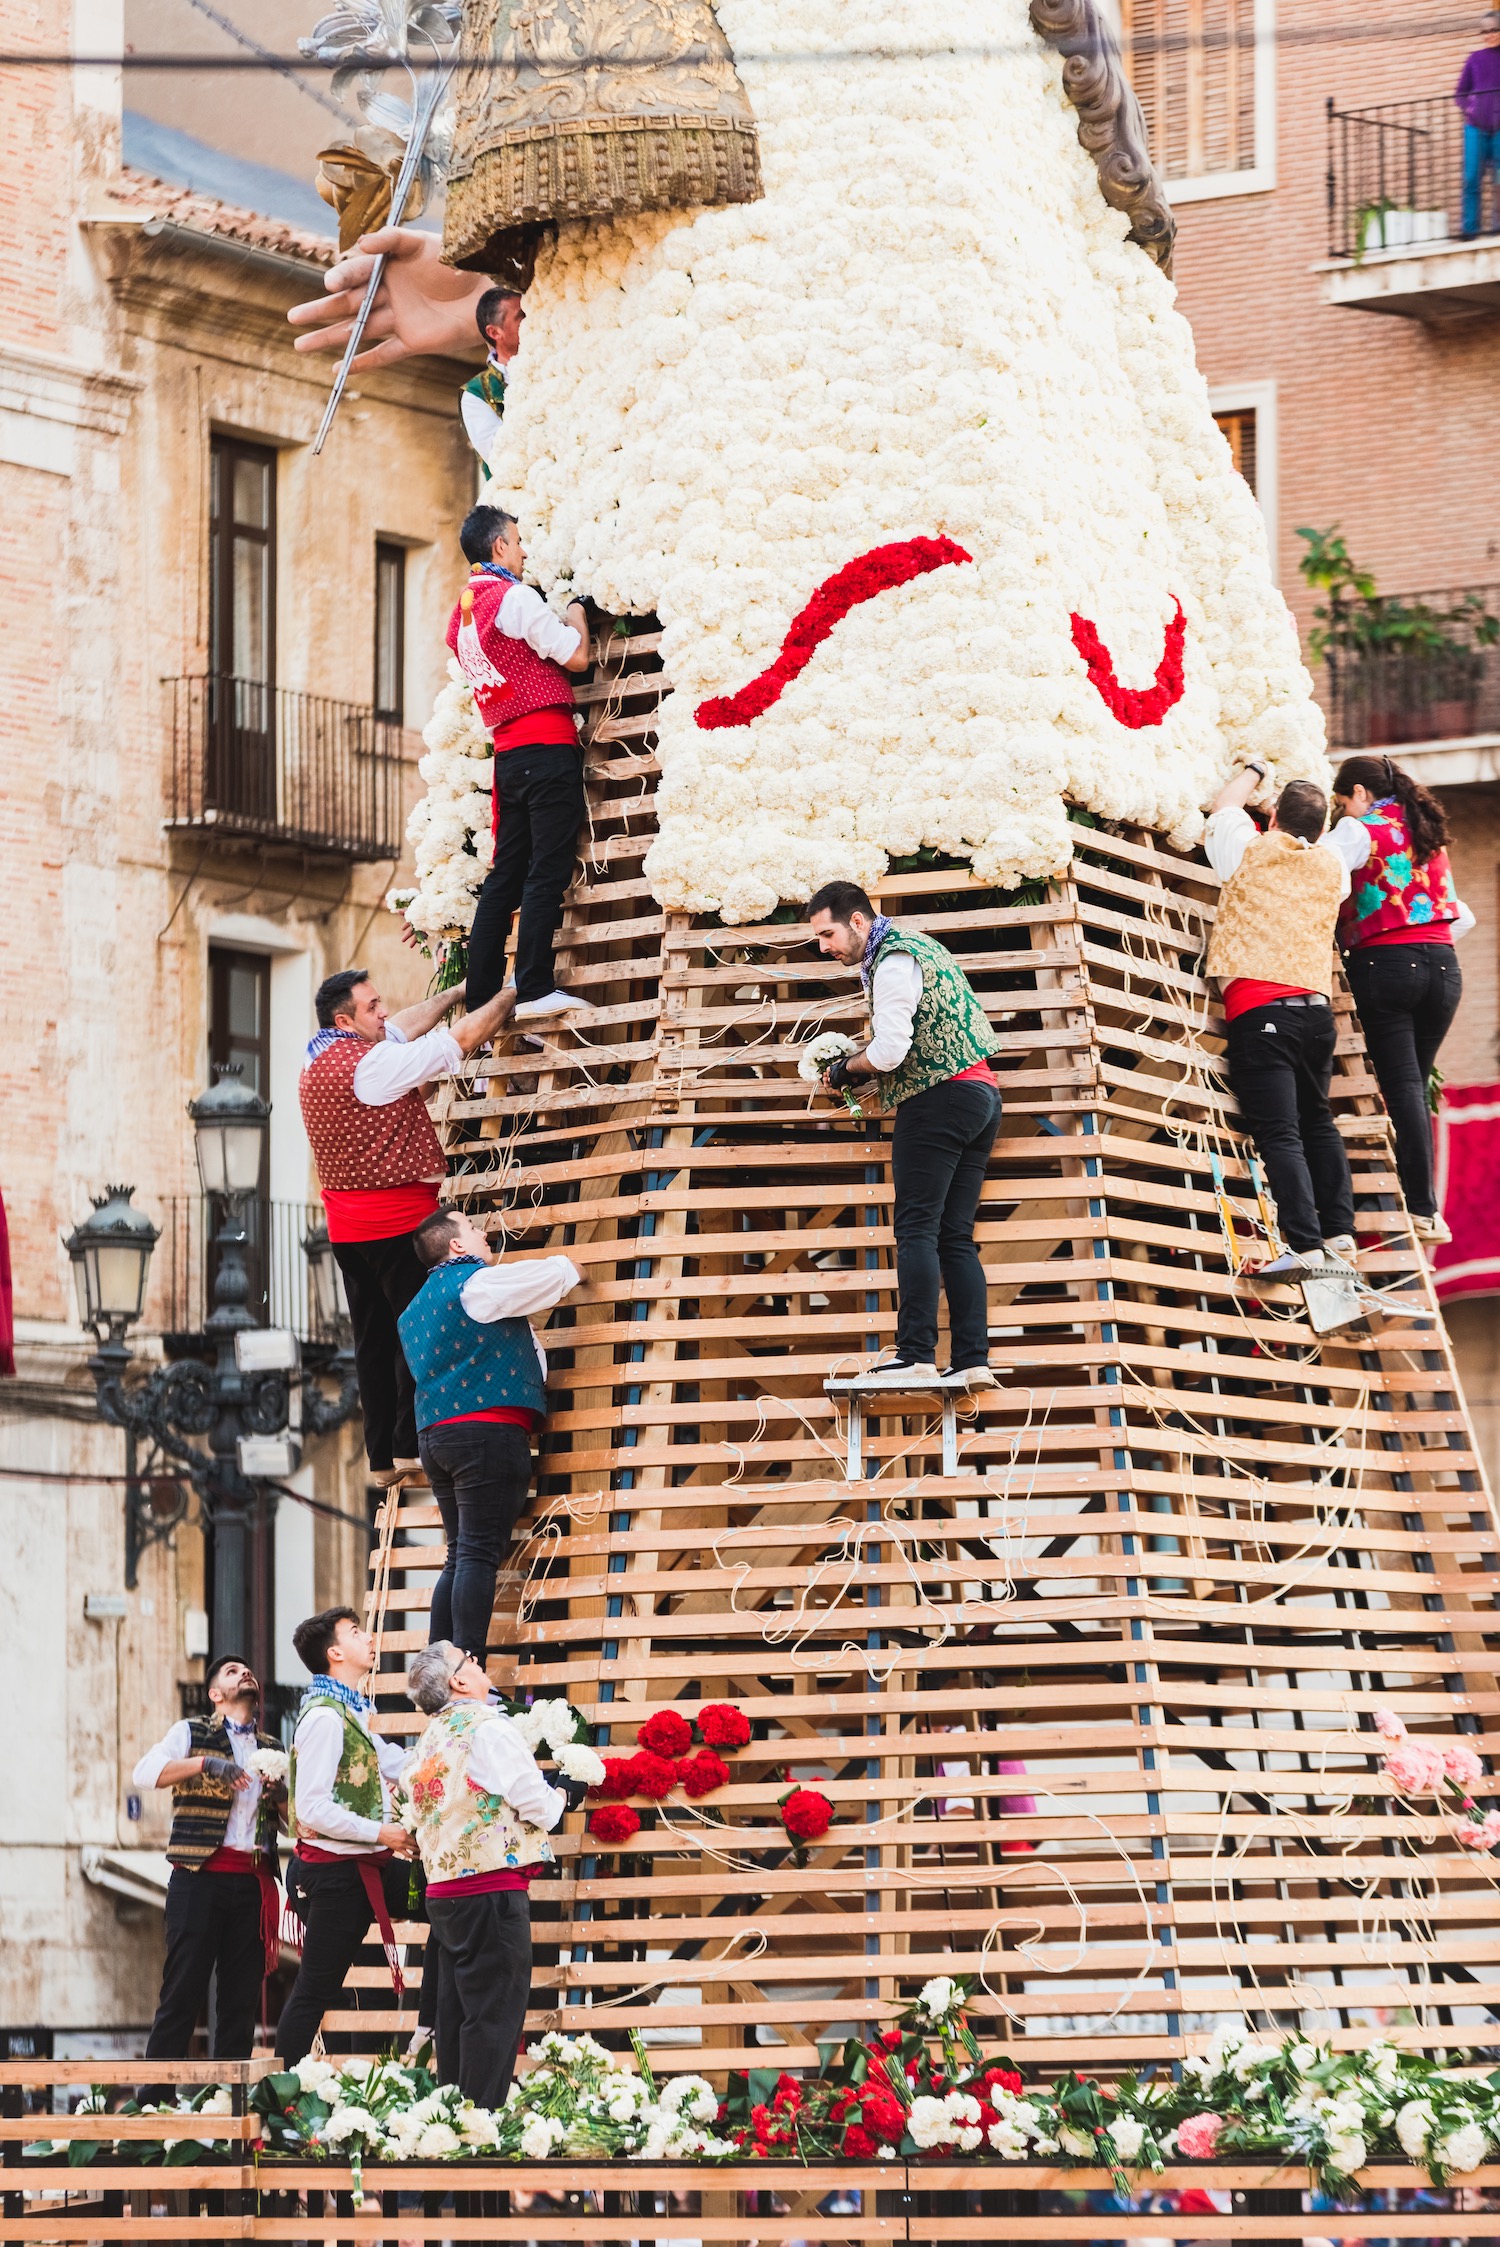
column 1426, row 821
column 221, row 1662
column 334, row 992
column 313, row 1637
column 434, row 1237
column 487, row 310
column 479, row 530
column 840, row 899
column 1302, row 809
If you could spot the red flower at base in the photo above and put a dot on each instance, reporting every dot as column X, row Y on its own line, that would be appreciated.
column 858, row 2145
column 721, row 1725
column 701, row 1773
column 651, row 1775
column 614, row 1822
column 806, row 1814
column 1007, row 2078
column 665, row 1734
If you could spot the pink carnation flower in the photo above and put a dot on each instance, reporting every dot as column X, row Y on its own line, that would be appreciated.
column 1415, row 1767
column 1389, row 1725
column 1198, row 2137
column 1462, row 1766
column 1484, row 1835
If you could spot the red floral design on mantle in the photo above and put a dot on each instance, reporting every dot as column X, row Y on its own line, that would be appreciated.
column 858, row 581
column 1134, row 706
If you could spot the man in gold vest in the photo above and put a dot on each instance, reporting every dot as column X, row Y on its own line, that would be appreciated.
column 1272, row 949
column 481, row 1812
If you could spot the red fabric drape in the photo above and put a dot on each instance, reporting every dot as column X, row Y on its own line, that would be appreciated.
column 1467, row 1145
column 7, row 1303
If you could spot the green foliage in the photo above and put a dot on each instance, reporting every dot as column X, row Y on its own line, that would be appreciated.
column 1357, row 620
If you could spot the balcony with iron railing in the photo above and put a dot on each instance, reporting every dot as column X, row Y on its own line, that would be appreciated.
column 1404, row 668
column 252, row 762
column 1399, row 237
column 281, row 1283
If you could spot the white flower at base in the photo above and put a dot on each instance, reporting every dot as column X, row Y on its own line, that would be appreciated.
column 691, row 2096
column 937, row 1996
column 539, row 2135
column 270, row 1764
column 1463, row 2149
column 1126, row 2135
column 576, row 1761
column 350, row 2122
column 1075, row 2143
column 813, row 1060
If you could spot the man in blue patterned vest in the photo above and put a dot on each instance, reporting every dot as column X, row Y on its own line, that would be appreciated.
column 928, row 1057
column 481, row 1382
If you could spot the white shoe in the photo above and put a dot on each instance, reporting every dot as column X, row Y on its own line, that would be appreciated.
column 897, row 1375
column 973, row 1376
column 555, row 1002
column 1434, row 1229
column 1290, row 1264
column 1342, row 1245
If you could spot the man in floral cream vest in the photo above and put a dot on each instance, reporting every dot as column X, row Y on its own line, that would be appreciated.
column 349, row 1846
column 520, row 660
column 379, row 1168
column 223, row 1905
column 929, row 1056
column 481, row 1812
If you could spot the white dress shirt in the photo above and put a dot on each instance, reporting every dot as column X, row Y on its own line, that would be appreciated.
column 895, row 993
column 397, row 1064
column 501, row 1763
column 326, row 1823
column 519, row 1291
column 482, row 425
column 177, row 1746
column 1351, row 839
column 524, row 615
column 1230, row 833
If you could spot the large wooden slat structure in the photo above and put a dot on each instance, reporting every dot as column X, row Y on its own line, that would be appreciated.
column 1095, row 1711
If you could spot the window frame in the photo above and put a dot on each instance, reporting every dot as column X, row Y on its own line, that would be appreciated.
column 223, row 535
column 1258, row 178
column 388, row 552
column 1258, row 398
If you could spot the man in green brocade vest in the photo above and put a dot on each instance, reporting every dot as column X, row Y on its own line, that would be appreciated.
column 928, row 1055
column 498, row 316
column 349, row 1845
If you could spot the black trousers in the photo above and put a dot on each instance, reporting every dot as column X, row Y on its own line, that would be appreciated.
column 336, row 1921
column 541, row 804
column 481, row 1953
column 480, row 1473
column 1407, row 995
column 1280, row 1066
column 213, row 1927
column 940, row 1150
column 380, row 1279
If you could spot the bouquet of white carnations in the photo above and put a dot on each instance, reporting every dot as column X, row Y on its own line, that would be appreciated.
column 831, row 1045
column 270, row 1765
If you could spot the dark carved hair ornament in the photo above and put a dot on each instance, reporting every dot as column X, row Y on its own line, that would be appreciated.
column 1110, row 124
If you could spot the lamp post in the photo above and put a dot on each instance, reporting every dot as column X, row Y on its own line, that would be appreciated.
column 241, row 1402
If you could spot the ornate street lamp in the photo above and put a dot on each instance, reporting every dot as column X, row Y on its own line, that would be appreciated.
column 241, row 1403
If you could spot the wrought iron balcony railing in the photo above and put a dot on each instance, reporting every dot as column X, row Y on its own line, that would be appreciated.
column 1405, row 667
column 263, row 762
column 281, row 1287
column 1396, row 176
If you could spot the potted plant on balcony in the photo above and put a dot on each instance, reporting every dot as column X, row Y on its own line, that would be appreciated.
column 1398, row 669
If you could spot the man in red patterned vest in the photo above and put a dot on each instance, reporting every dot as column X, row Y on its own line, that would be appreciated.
column 518, row 658
column 379, row 1167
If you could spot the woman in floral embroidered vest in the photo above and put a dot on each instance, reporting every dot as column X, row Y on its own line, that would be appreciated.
column 1397, row 929
column 929, row 1055
column 481, row 1812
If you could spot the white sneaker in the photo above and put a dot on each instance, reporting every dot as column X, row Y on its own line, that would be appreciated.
column 973, row 1376
column 1288, row 1264
column 1434, row 1229
column 896, row 1375
column 555, row 1002
column 1343, row 1246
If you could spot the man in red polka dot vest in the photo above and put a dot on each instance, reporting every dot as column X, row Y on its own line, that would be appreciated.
column 380, row 1164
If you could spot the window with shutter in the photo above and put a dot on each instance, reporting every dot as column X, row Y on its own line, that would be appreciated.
column 1203, row 72
column 1239, row 428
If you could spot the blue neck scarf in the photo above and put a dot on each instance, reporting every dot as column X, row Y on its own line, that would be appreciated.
column 334, row 1689
column 321, row 1040
column 496, row 569
column 880, row 929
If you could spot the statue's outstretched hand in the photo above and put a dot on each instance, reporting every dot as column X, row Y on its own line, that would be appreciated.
column 422, row 305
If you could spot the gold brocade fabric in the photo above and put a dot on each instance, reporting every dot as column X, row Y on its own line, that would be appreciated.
column 590, row 109
column 360, row 190
column 1276, row 915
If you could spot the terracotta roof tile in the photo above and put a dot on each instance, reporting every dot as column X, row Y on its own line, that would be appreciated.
column 205, row 214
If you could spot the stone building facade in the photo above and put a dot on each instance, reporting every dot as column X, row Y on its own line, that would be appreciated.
column 217, row 649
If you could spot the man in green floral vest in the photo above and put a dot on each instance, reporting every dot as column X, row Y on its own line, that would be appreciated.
column 349, row 1845
column 928, row 1055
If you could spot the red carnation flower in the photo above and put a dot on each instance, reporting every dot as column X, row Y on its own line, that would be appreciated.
column 891, row 2039
column 858, row 2145
column 883, row 2114
column 651, row 1775
column 806, row 1814
column 614, row 1822
column 721, row 1725
column 701, row 1773
column 665, row 1734
column 1007, row 2078
column 615, row 1784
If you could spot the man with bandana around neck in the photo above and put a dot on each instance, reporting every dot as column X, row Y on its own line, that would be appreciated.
column 223, row 1906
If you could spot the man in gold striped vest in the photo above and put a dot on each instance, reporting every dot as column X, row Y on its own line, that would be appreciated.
column 1272, row 949
column 928, row 1055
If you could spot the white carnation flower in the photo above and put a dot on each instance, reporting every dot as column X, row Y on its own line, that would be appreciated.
column 1126, row 2135
column 1463, row 2149
column 269, row 1764
column 437, row 2141
column 577, row 1761
column 937, row 1996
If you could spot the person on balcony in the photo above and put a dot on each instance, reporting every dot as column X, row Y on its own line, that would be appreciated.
column 520, row 660
column 1397, row 930
column 223, row 1906
column 380, row 1164
column 929, row 1055
column 498, row 316
column 349, row 1846
column 1272, row 949
column 481, row 1812
column 481, row 1378
column 1478, row 96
